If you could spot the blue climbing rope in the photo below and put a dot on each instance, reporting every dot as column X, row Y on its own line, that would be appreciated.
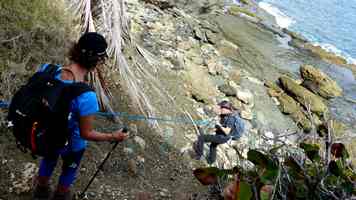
column 4, row 104
column 131, row 117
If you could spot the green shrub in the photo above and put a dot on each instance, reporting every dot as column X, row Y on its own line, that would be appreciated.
column 235, row 10
column 307, row 175
column 32, row 32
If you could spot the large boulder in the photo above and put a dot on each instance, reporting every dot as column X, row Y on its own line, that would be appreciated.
column 302, row 120
column 303, row 96
column 227, row 89
column 287, row 104
column 320, row 83
column 245, row 96
column 273, row 89
column 229, row 49
column 195, row 78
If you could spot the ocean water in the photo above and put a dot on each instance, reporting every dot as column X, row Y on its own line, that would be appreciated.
column 330, row 24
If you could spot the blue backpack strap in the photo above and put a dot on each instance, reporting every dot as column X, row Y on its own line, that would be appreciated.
column 51, row 69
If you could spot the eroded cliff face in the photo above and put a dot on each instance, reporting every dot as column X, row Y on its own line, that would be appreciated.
column 195, row 53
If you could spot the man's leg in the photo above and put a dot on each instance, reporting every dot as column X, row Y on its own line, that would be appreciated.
column 199, row 147
column 218, row 139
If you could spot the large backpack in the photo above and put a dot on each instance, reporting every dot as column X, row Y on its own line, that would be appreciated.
column 39, row 112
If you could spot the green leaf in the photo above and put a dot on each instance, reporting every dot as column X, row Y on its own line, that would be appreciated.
column 269, row 176
column 348, row 187
column 269, row 166
column 311, row 150
column 294, row 168
column 245, row 192
column 334, row 168
column 207, row 176
column 331, row 180
column 266, row 192
column 257, row 158
column 350, row 174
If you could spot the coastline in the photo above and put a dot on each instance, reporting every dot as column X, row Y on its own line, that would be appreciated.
column 271, row 58
column 327, row 52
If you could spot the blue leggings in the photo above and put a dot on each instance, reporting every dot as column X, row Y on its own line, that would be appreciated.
column 71, row 161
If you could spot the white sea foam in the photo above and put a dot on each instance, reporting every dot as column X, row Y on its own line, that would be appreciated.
column 333, row 49
column 283, row 20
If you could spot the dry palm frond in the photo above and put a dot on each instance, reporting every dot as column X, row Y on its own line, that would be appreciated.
column 83, row 8
column 97, row 81
column 146, row 55
column 109, row 18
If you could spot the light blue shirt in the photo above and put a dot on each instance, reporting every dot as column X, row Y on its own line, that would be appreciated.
column 84, row 105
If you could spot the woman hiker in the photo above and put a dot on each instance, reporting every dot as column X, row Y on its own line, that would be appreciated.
column 87, row 54
column 231, row 126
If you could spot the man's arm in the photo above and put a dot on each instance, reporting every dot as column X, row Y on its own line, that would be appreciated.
column 226, row 130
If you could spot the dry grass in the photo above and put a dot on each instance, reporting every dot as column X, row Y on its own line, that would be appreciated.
column 32, row 32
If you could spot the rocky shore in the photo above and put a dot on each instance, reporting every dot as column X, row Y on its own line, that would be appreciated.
column 202, row 52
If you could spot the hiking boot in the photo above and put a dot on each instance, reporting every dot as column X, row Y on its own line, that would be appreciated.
column 62, row 196
column 41, row 192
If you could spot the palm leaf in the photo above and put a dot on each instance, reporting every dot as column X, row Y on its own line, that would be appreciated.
column 109, row 17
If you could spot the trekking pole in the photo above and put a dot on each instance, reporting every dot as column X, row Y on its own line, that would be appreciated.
column 82, row 194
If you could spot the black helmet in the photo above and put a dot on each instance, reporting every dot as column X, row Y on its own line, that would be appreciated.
column 92, row 47
column 226, row 104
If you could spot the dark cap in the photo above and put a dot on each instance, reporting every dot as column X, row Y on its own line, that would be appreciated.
column 93, row 44
column 226, row 104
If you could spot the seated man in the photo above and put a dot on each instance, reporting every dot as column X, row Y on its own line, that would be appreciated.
column 231, row 127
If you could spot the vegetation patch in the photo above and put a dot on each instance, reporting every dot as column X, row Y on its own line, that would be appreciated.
column 33, row 32
column 325, row 55
column 236, row 10
column 304, row 174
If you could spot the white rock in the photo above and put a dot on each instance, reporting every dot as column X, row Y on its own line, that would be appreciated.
column 214, row 67
column 299, row 81
column 209, row 50
column 140, row 141
column 233, row 84
column 12, row 176
column 133, row 129
column 164, row 193
column 185, row 45
column 128, row 151
column 276, row 101
column 245, row 96
column 246, row 114
column 191, row 137
column 133, row 2
column 255, row 80
column 140, row 159
column 200, row 111
column 229, row 44
column 167, row 53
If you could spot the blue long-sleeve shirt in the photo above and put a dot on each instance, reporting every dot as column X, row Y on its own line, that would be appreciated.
column 236, row 124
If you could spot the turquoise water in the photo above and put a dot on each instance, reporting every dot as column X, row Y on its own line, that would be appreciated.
column 327, row 23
